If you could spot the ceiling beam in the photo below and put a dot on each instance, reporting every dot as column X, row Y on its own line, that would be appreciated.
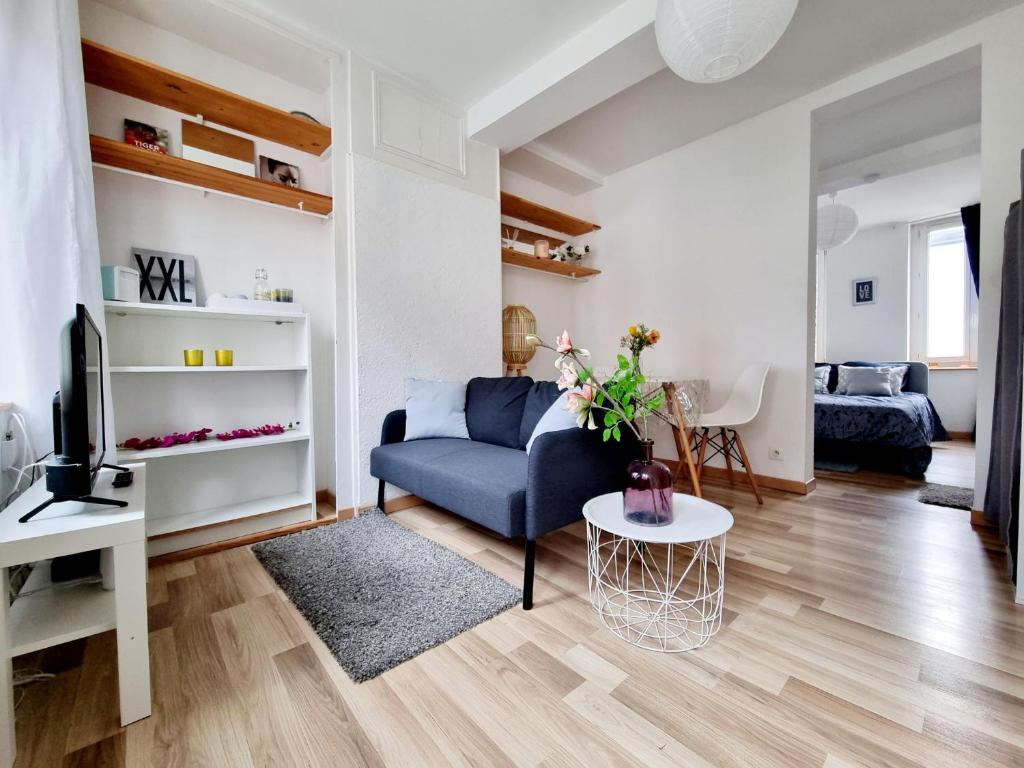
column 934, row 150
column 615, row 52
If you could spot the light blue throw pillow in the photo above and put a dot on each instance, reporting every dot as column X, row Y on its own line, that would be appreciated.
column 555, row 418
column 435, row 409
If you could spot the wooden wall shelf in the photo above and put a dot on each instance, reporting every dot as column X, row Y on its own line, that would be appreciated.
column 563, row 268
column 519, row 208
column 116, row 154
column 144, row 80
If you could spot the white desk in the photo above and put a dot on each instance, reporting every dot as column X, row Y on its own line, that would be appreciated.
column 62, row 614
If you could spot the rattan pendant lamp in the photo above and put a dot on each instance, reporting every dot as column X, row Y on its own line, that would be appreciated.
column 516, row 322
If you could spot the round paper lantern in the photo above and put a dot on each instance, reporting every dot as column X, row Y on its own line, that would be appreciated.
column 837, row 224
column 708, row 41
column 516, row 322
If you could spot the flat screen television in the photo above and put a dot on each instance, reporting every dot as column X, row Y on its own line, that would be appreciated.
column 79, row 438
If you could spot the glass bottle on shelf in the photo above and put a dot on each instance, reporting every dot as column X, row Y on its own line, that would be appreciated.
column 261, row 291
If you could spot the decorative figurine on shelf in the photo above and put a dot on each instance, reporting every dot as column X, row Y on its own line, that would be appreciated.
column 570, row 252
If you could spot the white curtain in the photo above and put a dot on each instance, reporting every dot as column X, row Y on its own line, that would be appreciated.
column 49, row 252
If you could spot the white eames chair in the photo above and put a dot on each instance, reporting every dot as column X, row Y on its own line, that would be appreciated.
column 740, row 408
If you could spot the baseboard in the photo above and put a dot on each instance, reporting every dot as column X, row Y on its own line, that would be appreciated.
column 240, row 541
column 720, row 476
column 324, row 496
column 402, row 502
column 978, row 519
column 969, row 436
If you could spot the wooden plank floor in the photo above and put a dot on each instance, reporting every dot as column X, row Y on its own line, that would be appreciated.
column 862, row 629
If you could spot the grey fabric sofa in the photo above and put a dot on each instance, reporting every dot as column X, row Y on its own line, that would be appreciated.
column 490, row 479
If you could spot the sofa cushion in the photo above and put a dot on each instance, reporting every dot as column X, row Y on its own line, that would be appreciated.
column 556, row 418
column 403, row 464
column 435, row 409
column 494, row 409
column 540, row 397
column 481, row 482
column 486, row 484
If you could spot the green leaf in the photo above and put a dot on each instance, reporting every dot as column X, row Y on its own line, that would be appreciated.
column 606, row 434
column 616, row 434
column 623, row 362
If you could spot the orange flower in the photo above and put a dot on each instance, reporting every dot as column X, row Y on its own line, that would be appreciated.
column 654, row 336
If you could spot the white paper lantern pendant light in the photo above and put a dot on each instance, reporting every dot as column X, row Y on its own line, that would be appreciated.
column 708, row 41
column 837, row 225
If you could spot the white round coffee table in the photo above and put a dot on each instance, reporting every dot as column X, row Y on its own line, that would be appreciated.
column 659, row 588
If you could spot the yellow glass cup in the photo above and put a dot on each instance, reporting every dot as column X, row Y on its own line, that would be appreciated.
column 224, row 356
column 193, row 357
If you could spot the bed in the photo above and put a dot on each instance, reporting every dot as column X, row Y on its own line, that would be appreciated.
column 890, row 433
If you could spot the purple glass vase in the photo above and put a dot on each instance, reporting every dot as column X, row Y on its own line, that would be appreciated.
column 647, row 499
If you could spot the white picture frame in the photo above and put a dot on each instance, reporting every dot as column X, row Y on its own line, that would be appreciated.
column 864, row 291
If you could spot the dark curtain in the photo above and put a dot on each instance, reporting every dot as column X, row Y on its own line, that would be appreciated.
column 1002, row 491
column 971, row 217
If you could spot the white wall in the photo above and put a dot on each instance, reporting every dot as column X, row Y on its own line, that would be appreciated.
column 428, row 291
column 870, row 331
column 229, row 238
column 709, row 243
column 955, row 396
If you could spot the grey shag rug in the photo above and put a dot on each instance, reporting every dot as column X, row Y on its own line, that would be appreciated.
column 379, row 594
column 946, row 496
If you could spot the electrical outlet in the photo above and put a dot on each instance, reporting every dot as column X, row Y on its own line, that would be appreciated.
column 775, row 454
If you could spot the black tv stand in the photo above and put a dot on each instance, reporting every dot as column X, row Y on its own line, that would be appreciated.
column 55, row 499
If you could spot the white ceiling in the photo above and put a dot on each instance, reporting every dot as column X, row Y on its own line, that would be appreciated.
column 827, row 40
column 921, row 194
column 462, row 49
column 217, row 27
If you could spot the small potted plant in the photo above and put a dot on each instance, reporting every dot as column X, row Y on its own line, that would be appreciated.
column 623, row 402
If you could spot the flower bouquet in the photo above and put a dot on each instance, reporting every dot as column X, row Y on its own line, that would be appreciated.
column 623, row 401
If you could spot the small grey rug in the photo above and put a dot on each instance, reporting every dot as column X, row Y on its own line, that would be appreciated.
column 379, row 594
column 946, row 496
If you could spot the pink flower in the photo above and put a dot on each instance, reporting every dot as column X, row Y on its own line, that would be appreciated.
column 569, row 377
column 563, row 344
column 581, row 403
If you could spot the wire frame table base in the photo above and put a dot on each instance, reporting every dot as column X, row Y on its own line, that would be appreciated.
column 662, row 597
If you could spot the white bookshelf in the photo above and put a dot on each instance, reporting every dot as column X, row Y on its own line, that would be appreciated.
column 212, row 490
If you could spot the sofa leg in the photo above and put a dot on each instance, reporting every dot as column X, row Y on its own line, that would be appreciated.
column 531, row 550
column 380, row 495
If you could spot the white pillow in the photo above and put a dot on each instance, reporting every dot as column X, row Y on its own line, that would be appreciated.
column 897, row 374
column 875, row 382
column 821, row 373
column 555, row 418
column 435, row 409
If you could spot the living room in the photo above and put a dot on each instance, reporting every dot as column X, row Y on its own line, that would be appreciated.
column 453, row 366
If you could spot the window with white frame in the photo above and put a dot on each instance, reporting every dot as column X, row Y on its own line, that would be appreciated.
column 943, row 304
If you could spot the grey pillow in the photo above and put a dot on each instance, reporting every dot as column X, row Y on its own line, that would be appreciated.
column 556, row 417
column 875, row 382
column 435, row 409
column 821, row 373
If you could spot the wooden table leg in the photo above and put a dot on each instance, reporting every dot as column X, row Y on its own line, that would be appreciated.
column 8, row 745
column 132, row 631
